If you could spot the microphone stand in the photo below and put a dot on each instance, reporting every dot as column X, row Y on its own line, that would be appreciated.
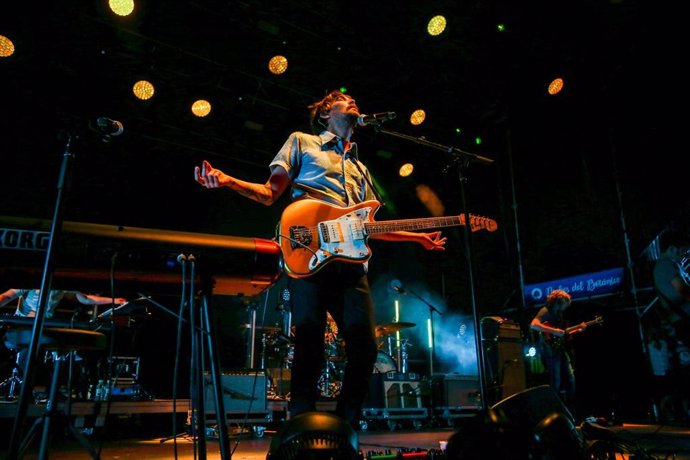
column 46, row 282
column 463, row 159
column 432, row 309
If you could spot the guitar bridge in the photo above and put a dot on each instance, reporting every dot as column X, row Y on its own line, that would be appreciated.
column 300, row 237
column 324, row 232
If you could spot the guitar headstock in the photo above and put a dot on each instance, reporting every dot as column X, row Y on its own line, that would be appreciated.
column 598, row 320
column 480, row 223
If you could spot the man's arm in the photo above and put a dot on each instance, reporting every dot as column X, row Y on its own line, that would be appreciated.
column 538, row 325
column 267, row 193
column 89, row 299
column 8, row 296
column 431, row 241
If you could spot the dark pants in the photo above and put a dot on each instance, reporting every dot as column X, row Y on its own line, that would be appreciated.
column 343, row 290
column 560, row 367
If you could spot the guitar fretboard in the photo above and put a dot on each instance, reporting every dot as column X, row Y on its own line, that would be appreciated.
column 387, row 226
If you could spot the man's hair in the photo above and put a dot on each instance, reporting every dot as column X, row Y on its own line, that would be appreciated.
column 557, row 295
column 323, row 106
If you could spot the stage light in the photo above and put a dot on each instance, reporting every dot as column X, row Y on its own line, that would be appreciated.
column 343, row 89
column 143, row 90
column 278, row 64
column 501, row 27
column 430, row 199
column 406, row 169
column 6, row 47
column 555, row 86
column 436, row 25
column 314, row 436
column 478, row 140
column 418, row 117
column 121, row 7
column 201, row 108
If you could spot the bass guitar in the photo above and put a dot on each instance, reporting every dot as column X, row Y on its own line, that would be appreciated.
column 557, row 343
column 312, row 233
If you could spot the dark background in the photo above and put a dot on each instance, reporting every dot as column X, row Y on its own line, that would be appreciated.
column 568, row 169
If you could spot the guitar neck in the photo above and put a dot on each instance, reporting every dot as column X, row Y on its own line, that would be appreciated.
column 588, row 324
column 387, row 226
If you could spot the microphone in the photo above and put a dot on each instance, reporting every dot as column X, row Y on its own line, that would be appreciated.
column 397, row 287
column 375, row 119
column 109, row 127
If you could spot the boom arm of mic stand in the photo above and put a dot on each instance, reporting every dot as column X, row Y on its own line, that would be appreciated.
column 453, row 150
column 431, row 307
column 163, row 308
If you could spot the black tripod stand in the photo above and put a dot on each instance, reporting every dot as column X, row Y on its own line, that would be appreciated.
column 14, row 379
column 200, row 323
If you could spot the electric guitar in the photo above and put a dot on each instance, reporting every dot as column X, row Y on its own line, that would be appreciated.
column 312, row 233
column 557, row 343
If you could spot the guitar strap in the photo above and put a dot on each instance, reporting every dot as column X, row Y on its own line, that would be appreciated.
column 369, row 181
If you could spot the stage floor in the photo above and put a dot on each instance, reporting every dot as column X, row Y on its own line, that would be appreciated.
column 138, row 430
column 659, row 442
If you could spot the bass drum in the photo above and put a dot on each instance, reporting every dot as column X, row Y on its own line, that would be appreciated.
column 384, row 363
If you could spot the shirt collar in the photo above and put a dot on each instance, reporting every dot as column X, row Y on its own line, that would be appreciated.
column 329, row 138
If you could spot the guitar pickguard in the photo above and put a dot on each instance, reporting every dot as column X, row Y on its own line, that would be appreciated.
column 343, row 237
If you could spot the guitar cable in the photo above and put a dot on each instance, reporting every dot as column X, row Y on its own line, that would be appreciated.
column 280, row 235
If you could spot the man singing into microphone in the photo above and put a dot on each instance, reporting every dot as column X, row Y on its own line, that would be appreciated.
column 325, row 167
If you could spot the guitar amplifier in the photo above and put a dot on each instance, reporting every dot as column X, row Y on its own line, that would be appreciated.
column 455, row 390
column 395, row 390
column 244, row 392
column 504, row 357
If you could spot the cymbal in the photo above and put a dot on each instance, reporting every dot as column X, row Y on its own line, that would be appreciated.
column 390, row 328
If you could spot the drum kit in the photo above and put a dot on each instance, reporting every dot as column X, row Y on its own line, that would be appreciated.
column 278, row 351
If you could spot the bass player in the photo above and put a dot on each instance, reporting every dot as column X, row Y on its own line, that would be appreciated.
column 550, row 323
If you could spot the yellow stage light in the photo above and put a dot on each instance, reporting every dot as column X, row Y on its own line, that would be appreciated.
column 143, row 90
column 555, row 86
column 418, row 117
column 201, row 108
column 6, row 47
column 121, row 7
column 406, row 169
column 278, row 64
column 436, row 25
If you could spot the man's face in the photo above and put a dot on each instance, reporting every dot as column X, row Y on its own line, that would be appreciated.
column 562, row 305
column 344, row 106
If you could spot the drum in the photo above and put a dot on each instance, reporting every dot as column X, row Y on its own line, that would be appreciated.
column 384, row 363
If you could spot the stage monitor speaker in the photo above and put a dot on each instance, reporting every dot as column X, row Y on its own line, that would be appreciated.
column 533, row 423
column 244, row 392
column 531, row 405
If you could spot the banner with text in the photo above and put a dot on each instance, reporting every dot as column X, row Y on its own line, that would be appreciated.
column 581, row 286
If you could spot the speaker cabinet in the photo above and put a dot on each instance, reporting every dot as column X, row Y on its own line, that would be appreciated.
column 504, row 360
column 244, row 392
column 280, row 379
column 456, row 391
column 395, row 390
